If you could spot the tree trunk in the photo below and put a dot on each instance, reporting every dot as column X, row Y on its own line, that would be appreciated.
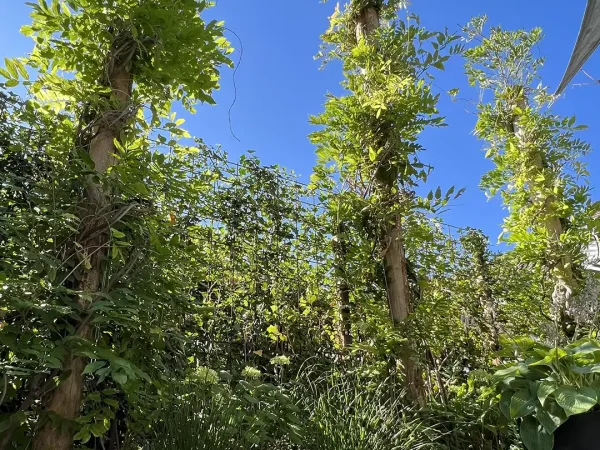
column 65, row 400
column 341, row 248
column 367, row 22
column 564, row 280
column 396, row 274
column 399, row 299
column 486, row 298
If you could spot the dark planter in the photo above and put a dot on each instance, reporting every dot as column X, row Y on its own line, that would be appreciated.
column 580, row 432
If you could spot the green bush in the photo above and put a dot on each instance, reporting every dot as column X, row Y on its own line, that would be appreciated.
column 547, row 385
column 231, row 415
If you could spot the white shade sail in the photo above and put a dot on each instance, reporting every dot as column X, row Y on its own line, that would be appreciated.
column 593, row 256
column 587, row 42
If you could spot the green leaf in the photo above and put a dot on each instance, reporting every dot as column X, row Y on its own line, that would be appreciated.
column 534, row 435
column 506, row 372
column 119, row 377
column 504, row 403
column 111, row 402
column 98, row 429
column 94, row 396
column 26, row 30
column 583, row 347
column 372, row 154
column 11, row 83
column 92, row 367
column 12, row 69
column 545, row 389
column 553, row 356
column 18, row 418
column 592, row 368
column 116, row 233
column 224, row 375
column 575, row 401
column 551, row 417
column 140, row 188
column 5, row 425
column 83, row 435
column 522, row 404
column 596, row 387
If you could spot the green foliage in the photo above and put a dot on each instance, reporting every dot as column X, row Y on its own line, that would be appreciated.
column 388, row 106
column 230, row 415
column 178, row 54
column 148, row 273
column 221, row 281
column 469, row 419
column 538, row 169
column 368, row 154
column 547, row 385
column 356, row 412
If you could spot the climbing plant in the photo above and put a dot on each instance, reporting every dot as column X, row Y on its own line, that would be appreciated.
column 539, row 171
column 368, row 138
column 100, row 262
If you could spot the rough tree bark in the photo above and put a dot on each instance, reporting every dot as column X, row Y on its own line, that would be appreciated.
column 564, row 280
column 398, row 291
column 341, row 251
column 65, row 400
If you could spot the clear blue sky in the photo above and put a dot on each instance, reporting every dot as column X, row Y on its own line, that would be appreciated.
column 279, row 86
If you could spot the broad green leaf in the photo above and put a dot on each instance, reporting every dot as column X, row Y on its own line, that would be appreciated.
column 583, row 347
column 505, row 372
column 83, row 435
column 554, row 355
column 522, row 404
column 596, row 387
column 372, row 154
column 534, row 435
column 111, row 402
column 92, row 367
column 588, row 391
column 505, row 399
column 18, row 418
column 98, row 429
column 592, row 368
column 551, row 416
column 575, row 401
column 140, row 188
column 119, row 377
column 95, row 396
column 545, row 389
column 27, row 30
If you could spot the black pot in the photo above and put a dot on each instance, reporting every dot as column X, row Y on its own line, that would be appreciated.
column 579, row 432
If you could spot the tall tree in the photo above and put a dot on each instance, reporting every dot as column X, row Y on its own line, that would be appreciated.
column 539, row 171
column 370, row 134
column 118, row 59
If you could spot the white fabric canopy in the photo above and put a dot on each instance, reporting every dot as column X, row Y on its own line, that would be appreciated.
column 592, row 262
column 587, row 42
